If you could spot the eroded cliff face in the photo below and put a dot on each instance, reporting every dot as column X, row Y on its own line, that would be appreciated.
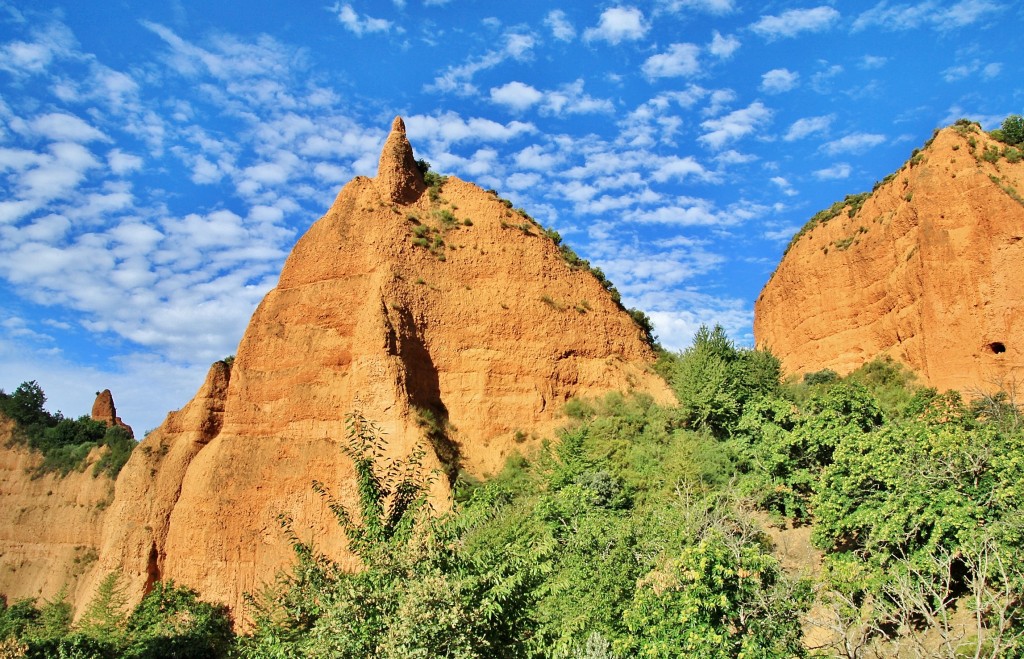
column 399, row 300
column 50, row 527
column 927, row 271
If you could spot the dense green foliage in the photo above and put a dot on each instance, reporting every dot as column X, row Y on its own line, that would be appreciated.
column 170, row 622
column 620, row 540
column 635, row 535
column 64, row 443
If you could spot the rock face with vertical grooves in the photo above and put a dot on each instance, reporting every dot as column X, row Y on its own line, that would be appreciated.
column 399, row 302
column 928, row 270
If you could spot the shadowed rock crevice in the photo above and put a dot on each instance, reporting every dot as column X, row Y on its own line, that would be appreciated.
column 422, row 383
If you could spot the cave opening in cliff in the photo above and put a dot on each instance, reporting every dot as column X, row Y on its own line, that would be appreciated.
column 997, row 347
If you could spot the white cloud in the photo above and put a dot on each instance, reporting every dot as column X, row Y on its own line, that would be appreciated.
column 61, row 126
column 560, row 26
column 689, row 211
column 658, row 120
column 926, row 14
column 679, row 60
column 837, row 171
column 516, row 95
column 567, row 99
column 821, row 81
column 734, row 125
column 123, row 163
column 450, row 128
column 523, row 180
column 853, row 143
column 49, row 42
column 458, row 79
column 870, row 62
column 806, row 126
column 784, row 186
column 720, row 100
column 734, row 157
column 723, row 47
column 777, row 81
column 356, row 24
column 975, row 67
column 790, row 23
column 708, row 6
column 571, row 99
column 618, row 24
column 678, row 169
column 535, row 157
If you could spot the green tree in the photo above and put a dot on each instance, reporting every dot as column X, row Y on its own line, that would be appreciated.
column 1013, row 129
column 713, row 379
column 171, row 621
column 106, row 616
column 25, row 405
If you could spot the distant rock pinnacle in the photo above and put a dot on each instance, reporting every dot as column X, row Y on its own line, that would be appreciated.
column 103, row 410
column 398, row 178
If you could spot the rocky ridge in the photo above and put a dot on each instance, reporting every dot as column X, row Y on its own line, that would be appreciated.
column 926, row 269
column 448, row 318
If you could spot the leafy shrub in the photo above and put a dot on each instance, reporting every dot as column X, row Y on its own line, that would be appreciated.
column 719, row 598
column 991, row 154
column 171, row 621
column 824, row 376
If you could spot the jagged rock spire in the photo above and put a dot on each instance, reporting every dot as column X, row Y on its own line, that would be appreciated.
column 398, row 178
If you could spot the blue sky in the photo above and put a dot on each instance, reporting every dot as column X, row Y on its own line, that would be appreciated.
column 159, row 160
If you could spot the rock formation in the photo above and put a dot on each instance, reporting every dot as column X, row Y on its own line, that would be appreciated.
column 926, row 270
column 103, row 410
column 417, row 307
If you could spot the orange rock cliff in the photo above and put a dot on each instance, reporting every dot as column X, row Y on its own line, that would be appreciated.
column 928, row 270
column 401, row 300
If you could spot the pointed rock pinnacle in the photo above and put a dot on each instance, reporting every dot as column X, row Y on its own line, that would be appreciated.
column 103, row 410
column 398, row 178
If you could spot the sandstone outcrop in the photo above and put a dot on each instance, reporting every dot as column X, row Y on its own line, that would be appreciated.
column 927, row 270
column 419, row 307
column 103, row 410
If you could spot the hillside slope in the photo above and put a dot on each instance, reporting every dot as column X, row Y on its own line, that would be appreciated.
column 925, row 269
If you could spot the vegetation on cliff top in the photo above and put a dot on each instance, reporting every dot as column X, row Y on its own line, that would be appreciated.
column 1011, row 134
column 64, row 443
